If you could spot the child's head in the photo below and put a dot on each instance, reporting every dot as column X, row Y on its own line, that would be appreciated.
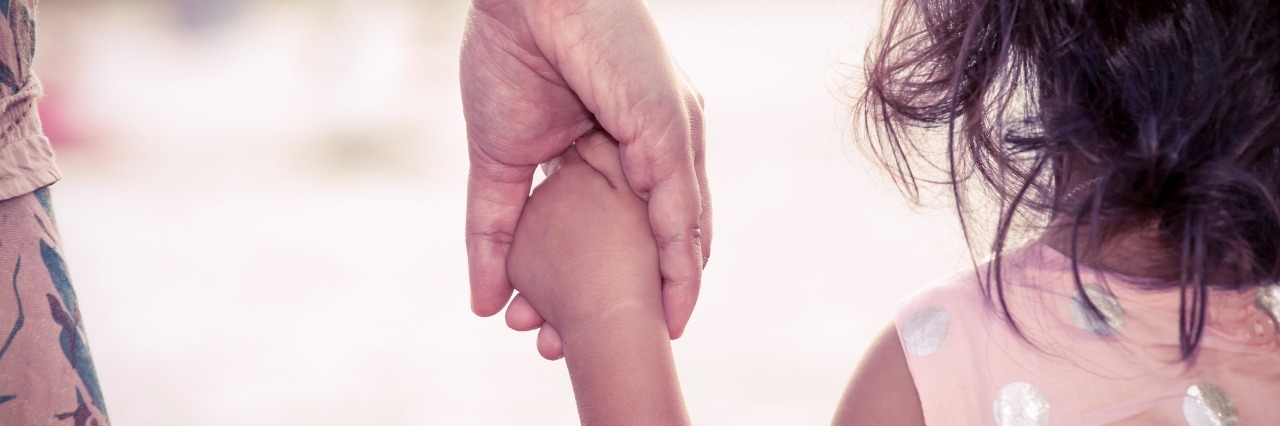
column 1115, row 118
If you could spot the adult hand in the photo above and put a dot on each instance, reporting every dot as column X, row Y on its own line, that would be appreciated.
column 538, row 74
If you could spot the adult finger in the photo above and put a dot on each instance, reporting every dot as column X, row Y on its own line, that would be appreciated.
column 676, row 229
column 662, row 168
column 550, row 346
column 698, row 137
column 521, row 316
column 496, row 194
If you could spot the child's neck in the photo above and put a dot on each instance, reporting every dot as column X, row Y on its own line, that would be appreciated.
column 1137, row 252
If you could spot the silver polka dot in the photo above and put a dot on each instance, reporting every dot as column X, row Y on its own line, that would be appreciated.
column 1019, row 404
column 1268, row 300
column 1112, row 313
column 925, row 331
column 1207, row 405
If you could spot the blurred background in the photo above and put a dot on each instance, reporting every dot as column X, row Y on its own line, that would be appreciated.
column 263, row 206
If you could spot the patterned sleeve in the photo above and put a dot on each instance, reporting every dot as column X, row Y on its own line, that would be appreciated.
column 17, row 43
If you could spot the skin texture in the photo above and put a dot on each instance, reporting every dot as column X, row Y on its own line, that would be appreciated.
column 537, row 75
column 584, row 257
column 881, row 391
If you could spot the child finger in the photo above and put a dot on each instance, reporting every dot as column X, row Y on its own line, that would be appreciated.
column 521, row 316
column 600, row 151
column 549, row 344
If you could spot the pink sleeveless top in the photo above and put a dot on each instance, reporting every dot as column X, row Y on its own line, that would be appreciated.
column 1079, row 368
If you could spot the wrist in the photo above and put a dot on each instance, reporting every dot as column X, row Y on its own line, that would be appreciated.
column 632, row 319
column 624, row 296
column 622, row 369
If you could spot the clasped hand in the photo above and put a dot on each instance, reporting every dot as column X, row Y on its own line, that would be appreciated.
column 583, row 252
column 537, row 75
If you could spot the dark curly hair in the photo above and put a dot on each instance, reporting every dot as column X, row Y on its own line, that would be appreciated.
column 1097, row 117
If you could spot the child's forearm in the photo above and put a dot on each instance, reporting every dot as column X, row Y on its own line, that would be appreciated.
column 622, row 369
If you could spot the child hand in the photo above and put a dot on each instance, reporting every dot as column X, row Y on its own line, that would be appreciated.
column 583, row 251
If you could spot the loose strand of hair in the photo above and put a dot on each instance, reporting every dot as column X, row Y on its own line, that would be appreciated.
column 1007, row 216
column 956, row 78
column 1094, row 209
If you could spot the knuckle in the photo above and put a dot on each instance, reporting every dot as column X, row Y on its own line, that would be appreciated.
column 679, row 241
column 489, row 236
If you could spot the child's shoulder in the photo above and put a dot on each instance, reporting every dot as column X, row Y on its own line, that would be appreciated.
column 959, row 290
column 1029, row 273
column 968, row 293
column 961, row 351
column 1120, row 364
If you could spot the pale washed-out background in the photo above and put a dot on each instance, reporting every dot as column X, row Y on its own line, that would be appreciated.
column 263, row 206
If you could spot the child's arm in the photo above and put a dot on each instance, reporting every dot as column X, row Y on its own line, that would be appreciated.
column 881, row 391
column 622, row 369
column 584, row 256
